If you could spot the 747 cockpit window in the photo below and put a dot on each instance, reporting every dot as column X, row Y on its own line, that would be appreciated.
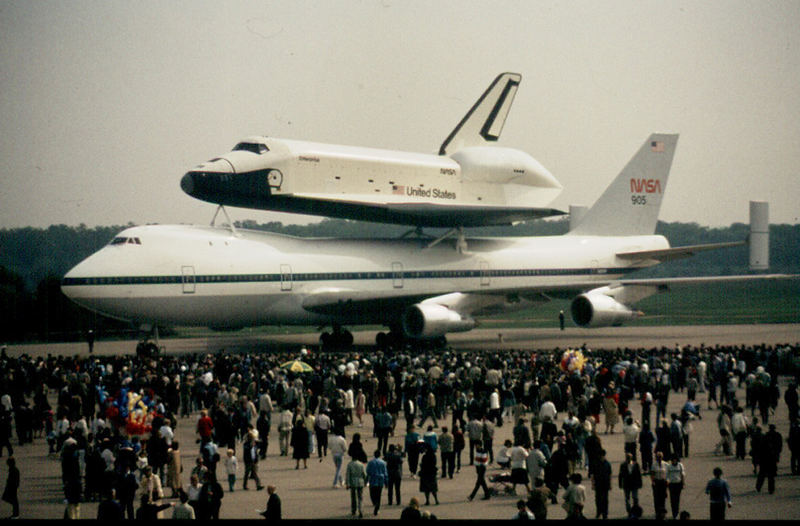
column 254, row 147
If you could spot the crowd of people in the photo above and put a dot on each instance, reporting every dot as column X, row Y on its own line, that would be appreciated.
column 111, row 420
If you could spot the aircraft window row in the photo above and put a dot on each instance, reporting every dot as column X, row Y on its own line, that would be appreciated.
column 129, row 280
column 254, row 147
column 126, row 240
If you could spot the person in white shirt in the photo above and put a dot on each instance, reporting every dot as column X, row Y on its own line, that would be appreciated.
column 676, row 479
column 535, row 463
column 630, row 430
column 231, row 465
column 494, row 407
column 548, row 409
column 337, row 446
column 165, row 431
column 504, row 455
column 265, row 403
column 519, row 472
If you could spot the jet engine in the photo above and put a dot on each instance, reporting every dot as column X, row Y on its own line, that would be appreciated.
column 431, row 320
column 600, row 310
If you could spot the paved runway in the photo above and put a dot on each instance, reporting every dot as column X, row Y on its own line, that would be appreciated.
column 534, row 339
column 307, row 493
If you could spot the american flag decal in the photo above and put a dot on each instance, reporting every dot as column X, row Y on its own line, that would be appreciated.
column 398, row 190
column 657, row 146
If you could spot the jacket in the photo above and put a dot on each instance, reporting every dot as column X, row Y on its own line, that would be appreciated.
column 355, row 475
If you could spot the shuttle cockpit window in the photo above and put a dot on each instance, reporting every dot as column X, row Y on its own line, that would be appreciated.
column 255, row 147
column 126, row 240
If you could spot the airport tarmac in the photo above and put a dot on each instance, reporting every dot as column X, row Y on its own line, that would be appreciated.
column 307, row 493
column 486, row 339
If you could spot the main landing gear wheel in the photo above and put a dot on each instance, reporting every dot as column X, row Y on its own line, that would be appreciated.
column 338, row 339
column 391, row 340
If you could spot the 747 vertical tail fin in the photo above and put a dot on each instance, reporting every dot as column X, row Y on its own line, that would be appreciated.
column 631, row 203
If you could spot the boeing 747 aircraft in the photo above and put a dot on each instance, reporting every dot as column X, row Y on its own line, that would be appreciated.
column 470, row 183
column 226, row 278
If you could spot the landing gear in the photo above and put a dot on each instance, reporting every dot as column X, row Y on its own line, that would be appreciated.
column 147, row 348
column 396, row 340
column 338, row 339
column 391, row 340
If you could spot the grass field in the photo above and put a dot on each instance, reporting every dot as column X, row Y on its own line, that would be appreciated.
column 710, row 304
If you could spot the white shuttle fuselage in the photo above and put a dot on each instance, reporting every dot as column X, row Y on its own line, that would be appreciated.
column 471, row 182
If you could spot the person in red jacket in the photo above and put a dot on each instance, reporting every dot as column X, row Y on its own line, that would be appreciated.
column 205, row 426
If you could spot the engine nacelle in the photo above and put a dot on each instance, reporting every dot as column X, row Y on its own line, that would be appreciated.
column 600, row 310
column 431, row 320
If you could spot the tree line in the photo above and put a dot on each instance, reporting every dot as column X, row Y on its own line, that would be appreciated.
column 33, row 261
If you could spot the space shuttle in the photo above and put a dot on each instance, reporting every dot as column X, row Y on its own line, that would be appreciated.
column 471, row 182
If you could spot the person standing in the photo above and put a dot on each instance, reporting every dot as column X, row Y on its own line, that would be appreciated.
column 337, row 446
column 394, row 469
column 575, row 497
column 273, row 510
column 446, row 448
column 174, row 468
column 250, row 456
column 769, row 455
column 561, row 319
column 183, row 510
column 601, row 483
column 519, row 470
column 210, row 499
column 719, row 496
column 322, row 426
column 676, row 480
column 481, row 461
column 631, row 430
column 12, row 487
column 377, row 478
column 411, row 449
column 474, row 433
column 646, row 439
column 739, row 429
column 539, row 499
column 458, row 446
column 630, row 481
column 487, row 437
column 263, row 425
column 658, row 478
column 231, row 466
column 300, row 444
column 284, row 430
column 355, row 479
column 427, row 476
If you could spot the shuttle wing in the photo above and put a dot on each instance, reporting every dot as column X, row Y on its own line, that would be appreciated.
column 421, row 214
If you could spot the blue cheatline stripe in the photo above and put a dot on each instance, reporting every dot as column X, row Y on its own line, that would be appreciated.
column 338, row 276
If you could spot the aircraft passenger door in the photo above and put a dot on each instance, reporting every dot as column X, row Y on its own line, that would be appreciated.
column 286, row 277
column 397, row 275
column 187, row 279
column 485, row 274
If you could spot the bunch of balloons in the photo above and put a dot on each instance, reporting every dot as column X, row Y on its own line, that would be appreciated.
column 572, row 361
column 130, row 411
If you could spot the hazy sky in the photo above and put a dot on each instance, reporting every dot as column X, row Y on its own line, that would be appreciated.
column 106, row 104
